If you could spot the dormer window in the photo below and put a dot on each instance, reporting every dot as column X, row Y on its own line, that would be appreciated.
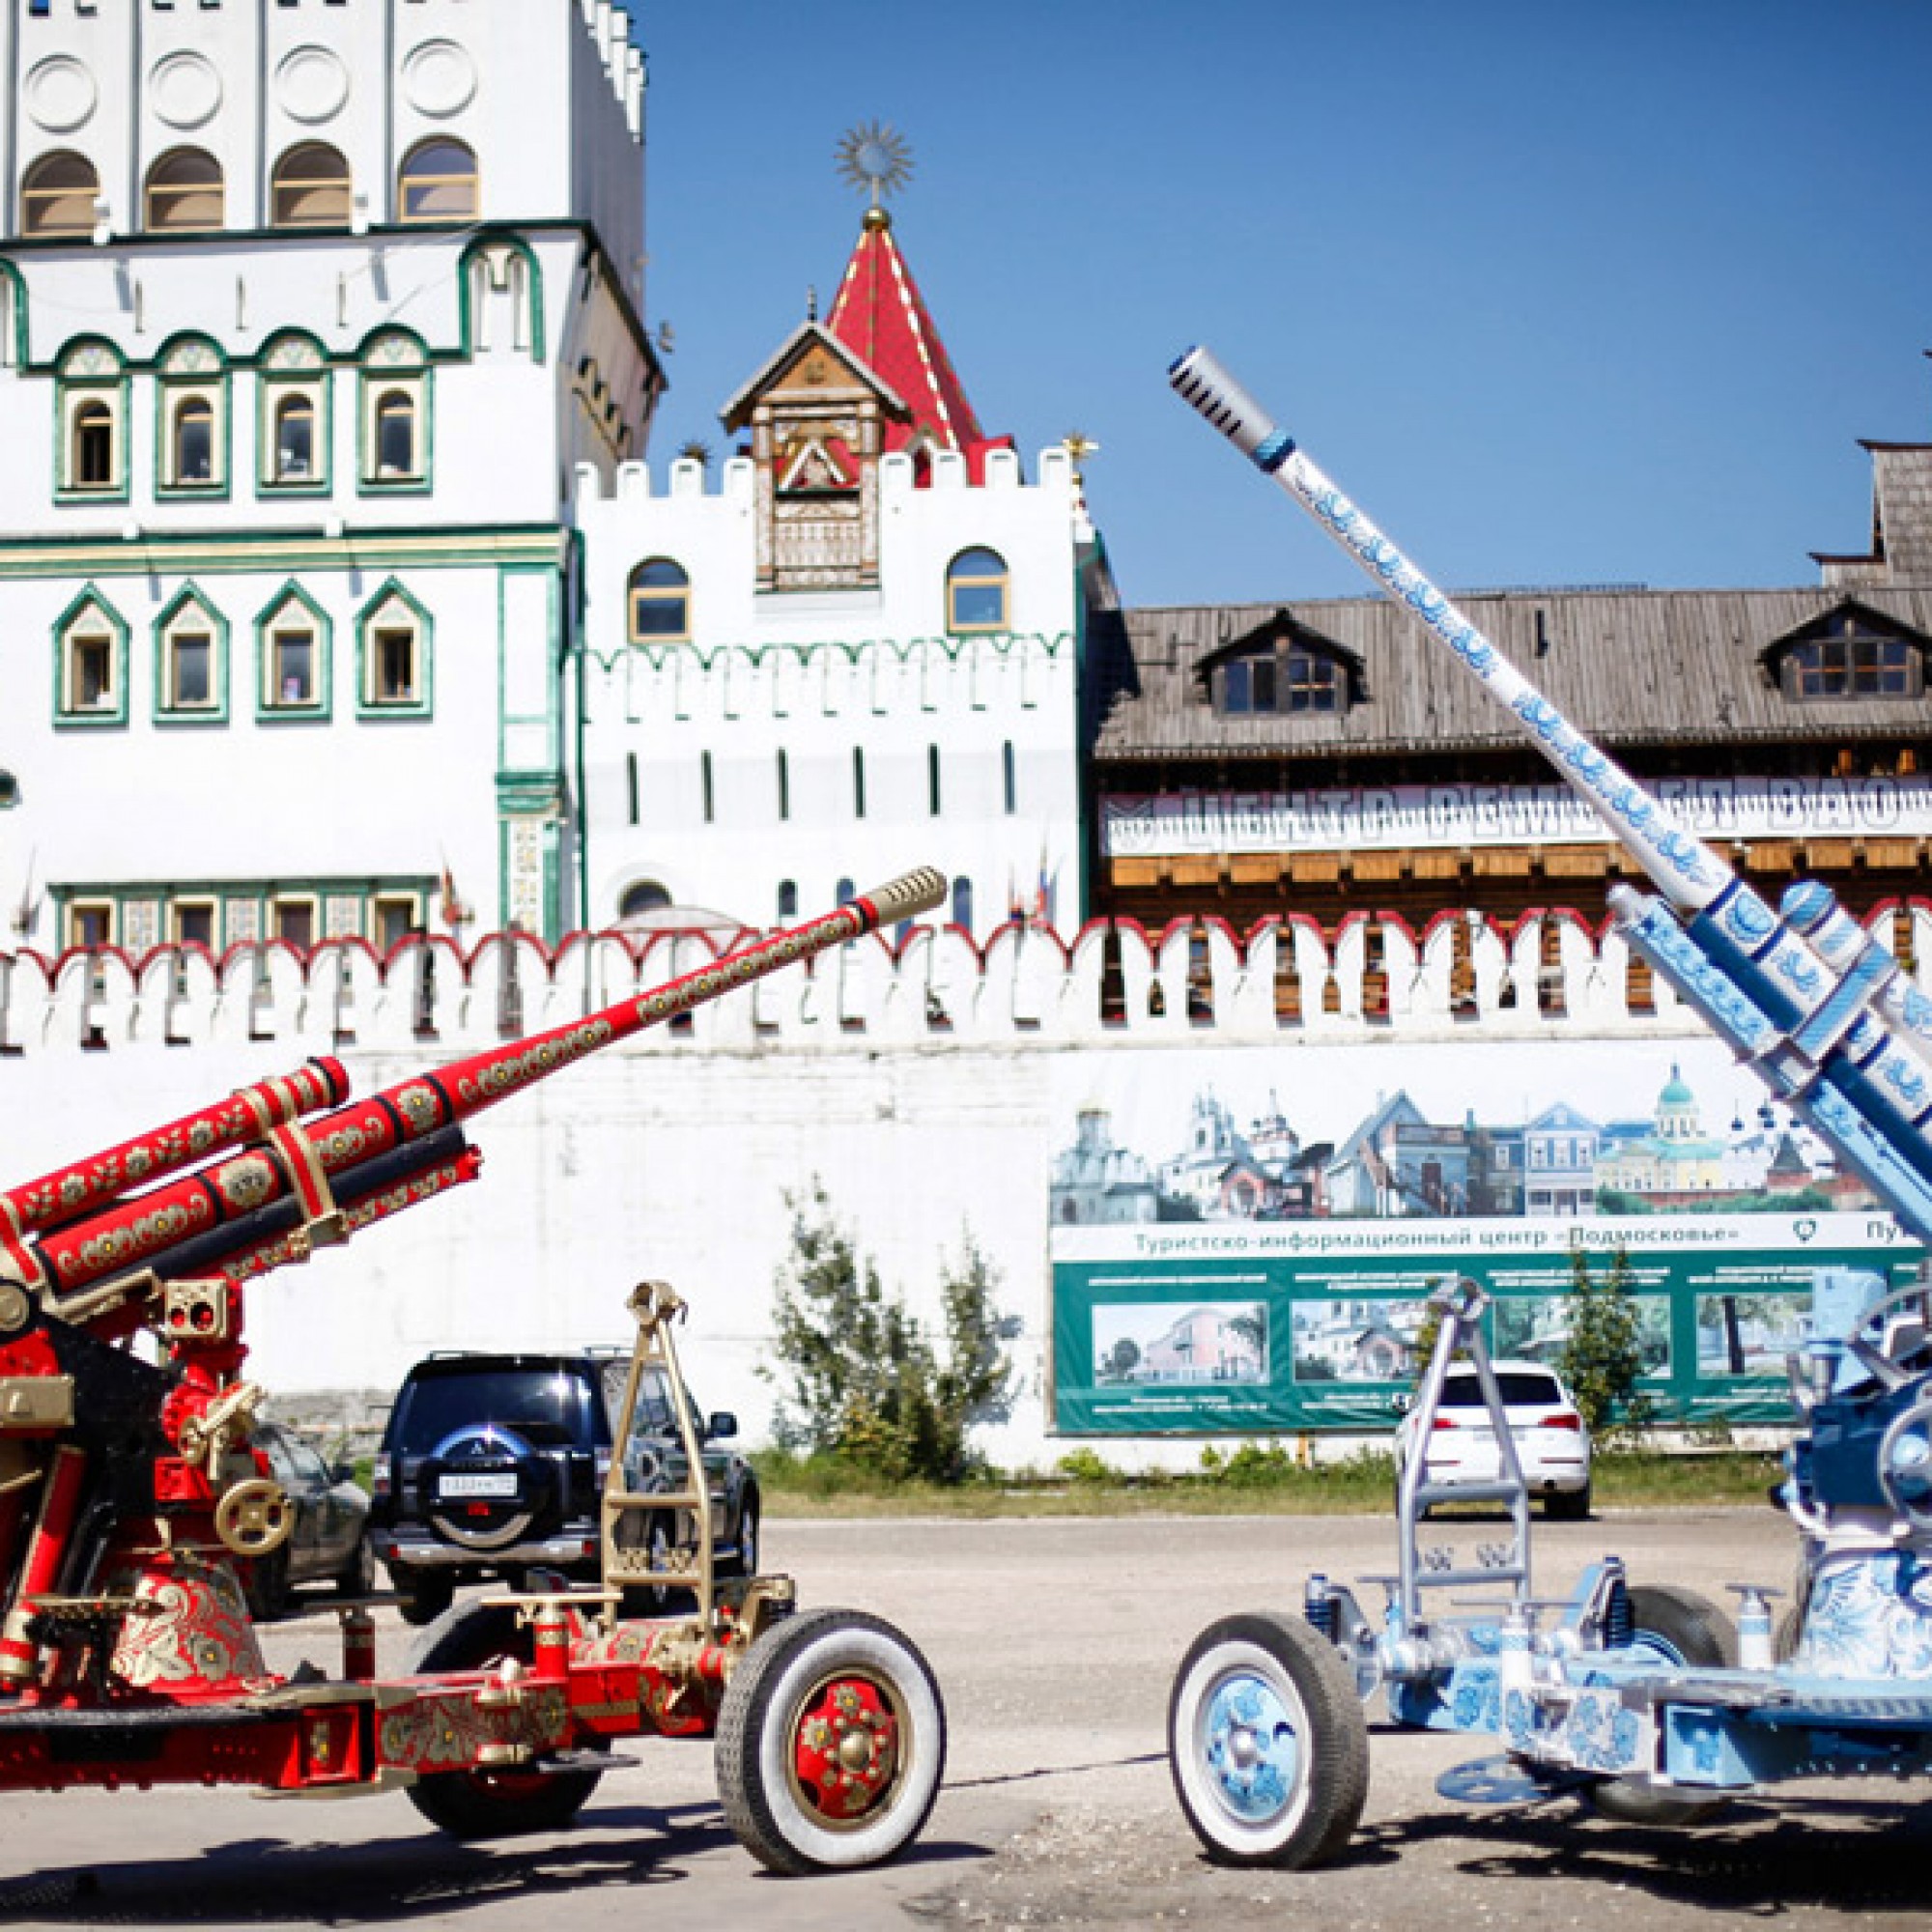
column 1849, row 653
column 1280, row 672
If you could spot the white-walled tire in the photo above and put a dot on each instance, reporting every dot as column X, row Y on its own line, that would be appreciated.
column 1267, row 1742
column 830, row 1742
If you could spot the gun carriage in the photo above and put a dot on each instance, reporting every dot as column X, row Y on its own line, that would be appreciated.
column 1645, row 1699
column 133, row 1503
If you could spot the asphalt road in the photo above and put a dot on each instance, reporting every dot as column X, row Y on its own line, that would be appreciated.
column 1055, row 1644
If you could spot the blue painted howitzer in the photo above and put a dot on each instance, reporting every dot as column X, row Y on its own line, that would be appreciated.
column 134, row 1507
column 1647, row 1700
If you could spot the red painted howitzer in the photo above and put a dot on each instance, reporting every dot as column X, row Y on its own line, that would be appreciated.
column 133, row 1503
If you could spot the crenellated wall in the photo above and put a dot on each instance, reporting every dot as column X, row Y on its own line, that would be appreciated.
column 927, row 1086
column 1549, row 975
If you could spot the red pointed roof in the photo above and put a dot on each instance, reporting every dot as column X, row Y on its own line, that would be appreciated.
column 880, row 315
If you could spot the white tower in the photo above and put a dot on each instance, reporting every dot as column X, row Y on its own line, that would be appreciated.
column 309, row 316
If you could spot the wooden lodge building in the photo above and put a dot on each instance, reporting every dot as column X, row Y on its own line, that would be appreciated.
column 1327, row 759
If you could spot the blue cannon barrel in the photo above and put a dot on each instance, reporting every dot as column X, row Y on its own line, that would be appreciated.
column 1817, row 1007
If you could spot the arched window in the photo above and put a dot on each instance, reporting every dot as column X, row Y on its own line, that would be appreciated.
column 787, row 898
column 438, row 183
column 963, row 905
column 660, row 603
column 294, row 439
column 396, row 434
column 975, row 592
column 395, row 412
column 57, row 195
column 646, row 896
column 184, row 190
column 91, row 462
column 194, row 403
column 292, row 433
column 847, row 891
column 310, row 189
column 92, row 400
column 192, row 440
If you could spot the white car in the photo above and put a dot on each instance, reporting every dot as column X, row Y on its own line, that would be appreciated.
column 1552, row 1446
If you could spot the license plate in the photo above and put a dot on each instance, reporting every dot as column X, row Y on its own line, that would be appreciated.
column 503, row 1485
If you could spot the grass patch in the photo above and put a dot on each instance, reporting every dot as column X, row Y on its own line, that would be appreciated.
column 1254, row 1479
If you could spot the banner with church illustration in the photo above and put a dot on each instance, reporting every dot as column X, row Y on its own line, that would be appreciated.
column 1243, row 1243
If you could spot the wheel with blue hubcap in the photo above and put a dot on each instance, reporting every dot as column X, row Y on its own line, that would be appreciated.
column 1268, row 1743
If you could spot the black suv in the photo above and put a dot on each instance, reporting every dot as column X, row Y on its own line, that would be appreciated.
column 495, row 1464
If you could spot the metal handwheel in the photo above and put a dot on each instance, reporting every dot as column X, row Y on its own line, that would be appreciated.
column 255, row 1518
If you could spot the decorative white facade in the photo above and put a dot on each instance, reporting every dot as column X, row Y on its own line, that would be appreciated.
column 310, row 316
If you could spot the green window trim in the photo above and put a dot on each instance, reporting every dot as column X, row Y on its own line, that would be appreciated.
column 170, row 393
column 73, row 394
column 76, row 625
column 241, row 913
column 395, row 365
column 273, row 392
column 167, row 713
column 274, row 618
column 393, row 610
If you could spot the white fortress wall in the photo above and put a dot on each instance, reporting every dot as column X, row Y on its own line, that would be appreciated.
column 670, row 1155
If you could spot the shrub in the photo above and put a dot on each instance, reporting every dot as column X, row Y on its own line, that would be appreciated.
column 1086, row 1466
column 1603, row 1357
column 859, row 1381
column 1251, row 1466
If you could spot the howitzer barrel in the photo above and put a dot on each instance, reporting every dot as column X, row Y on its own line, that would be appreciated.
column 149, row 1230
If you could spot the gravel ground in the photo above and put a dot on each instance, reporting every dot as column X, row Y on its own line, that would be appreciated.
column 1056, row 1643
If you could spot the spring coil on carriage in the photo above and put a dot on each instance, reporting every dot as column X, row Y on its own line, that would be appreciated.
column 1619, row 1626
column 1319, row 1607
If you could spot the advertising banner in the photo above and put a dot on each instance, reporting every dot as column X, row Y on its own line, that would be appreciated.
column 1226, row 1260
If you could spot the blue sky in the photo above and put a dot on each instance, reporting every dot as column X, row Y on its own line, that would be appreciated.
column 1560, row 292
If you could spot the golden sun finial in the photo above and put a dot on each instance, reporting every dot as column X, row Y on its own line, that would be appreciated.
column 875, row 158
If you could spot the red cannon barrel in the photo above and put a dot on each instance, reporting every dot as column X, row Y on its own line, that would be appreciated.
column 303, row 1159
column 248, row 1114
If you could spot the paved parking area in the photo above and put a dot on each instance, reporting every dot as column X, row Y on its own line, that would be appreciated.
column 1055, row 1643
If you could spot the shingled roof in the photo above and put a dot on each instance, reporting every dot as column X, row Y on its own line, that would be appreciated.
column 1629, row 668
column 881, row 317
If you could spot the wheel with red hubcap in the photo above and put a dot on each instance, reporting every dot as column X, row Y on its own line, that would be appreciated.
column 830, row 1742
